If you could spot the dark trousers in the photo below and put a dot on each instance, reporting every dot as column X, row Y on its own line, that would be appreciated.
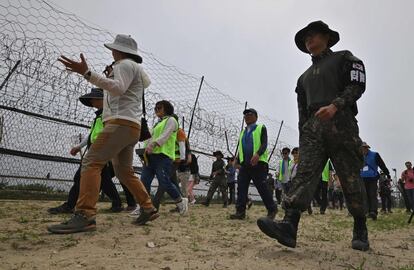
column 107, row 186
column 410, row 195
column 337, row 139
column 331, row 196
column 232, row 192
column 385, row 200
column 129, row 197
column 220, row 182
column 338, row 197
column 286, row 187
column 371, row 187
column 278, row 194
column 321, row 195
column 404, row 195
column 258, row 174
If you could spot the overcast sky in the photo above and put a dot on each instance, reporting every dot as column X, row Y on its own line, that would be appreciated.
column 246, row 49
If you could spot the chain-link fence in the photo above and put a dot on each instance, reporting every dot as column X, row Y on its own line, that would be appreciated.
column 41, row 117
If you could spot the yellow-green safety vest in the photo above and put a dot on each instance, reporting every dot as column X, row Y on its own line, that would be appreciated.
column 96, row 128
column 168, row 148
column 257, row 135
column 280, row 178
column 325, row 172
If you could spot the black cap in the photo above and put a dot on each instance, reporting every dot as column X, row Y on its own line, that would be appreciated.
column 317, row 26
column 95, row 93
column 250, row 110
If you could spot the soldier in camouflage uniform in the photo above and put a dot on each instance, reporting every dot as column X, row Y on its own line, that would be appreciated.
column 327, row 93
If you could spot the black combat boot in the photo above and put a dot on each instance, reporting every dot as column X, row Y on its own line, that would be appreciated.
column 238, row 215
column 283, row 231
column 360, row 234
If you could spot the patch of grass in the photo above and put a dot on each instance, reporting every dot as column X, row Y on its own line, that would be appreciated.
column 28, row 236
column 389, row 222
column 70, row 241
column 359, row 267
column 146, row 230
column 340, row 223
column 194, row 246
column 405, row 267
column 23, row 220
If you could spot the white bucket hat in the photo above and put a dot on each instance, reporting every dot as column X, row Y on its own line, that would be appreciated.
column 125, row 44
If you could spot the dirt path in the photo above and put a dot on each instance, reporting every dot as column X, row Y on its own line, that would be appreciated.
column 205, row 239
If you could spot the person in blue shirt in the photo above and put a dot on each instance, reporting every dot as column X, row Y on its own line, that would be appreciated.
column 253, row 159
column 370, row 175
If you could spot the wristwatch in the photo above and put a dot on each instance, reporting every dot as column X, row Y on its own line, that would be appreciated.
column 87, row 75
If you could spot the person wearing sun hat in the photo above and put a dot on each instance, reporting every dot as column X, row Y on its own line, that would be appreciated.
column 91, row 99
column 123, row 88
column 327, row 93
column 218, row 177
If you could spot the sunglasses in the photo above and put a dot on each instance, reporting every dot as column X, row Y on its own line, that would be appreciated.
column 285, row 153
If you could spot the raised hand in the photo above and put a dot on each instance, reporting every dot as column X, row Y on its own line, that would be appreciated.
column 78, row 67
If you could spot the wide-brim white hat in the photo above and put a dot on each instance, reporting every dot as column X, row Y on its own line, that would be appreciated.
column 125, row 44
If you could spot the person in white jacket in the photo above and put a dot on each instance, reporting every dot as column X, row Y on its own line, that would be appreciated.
column 123, row 89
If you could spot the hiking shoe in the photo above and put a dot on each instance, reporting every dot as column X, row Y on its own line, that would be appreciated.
column 193, row 201
column 144, row 217
column 360, row 235
column 77, row 223
column 61, row 209
column 238, row 215
column 136, row 212
column 183, row 206
column 283, row 231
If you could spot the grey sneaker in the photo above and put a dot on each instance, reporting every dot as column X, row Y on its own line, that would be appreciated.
column 183, row 206
column 78, row 223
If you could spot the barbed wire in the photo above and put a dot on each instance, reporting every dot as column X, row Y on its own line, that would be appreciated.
column 35, row 33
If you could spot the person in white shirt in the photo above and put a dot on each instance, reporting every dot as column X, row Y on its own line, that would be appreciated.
column 123, row 90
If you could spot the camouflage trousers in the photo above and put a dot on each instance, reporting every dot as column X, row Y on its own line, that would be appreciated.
column 337, row 139
column 220, row 182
